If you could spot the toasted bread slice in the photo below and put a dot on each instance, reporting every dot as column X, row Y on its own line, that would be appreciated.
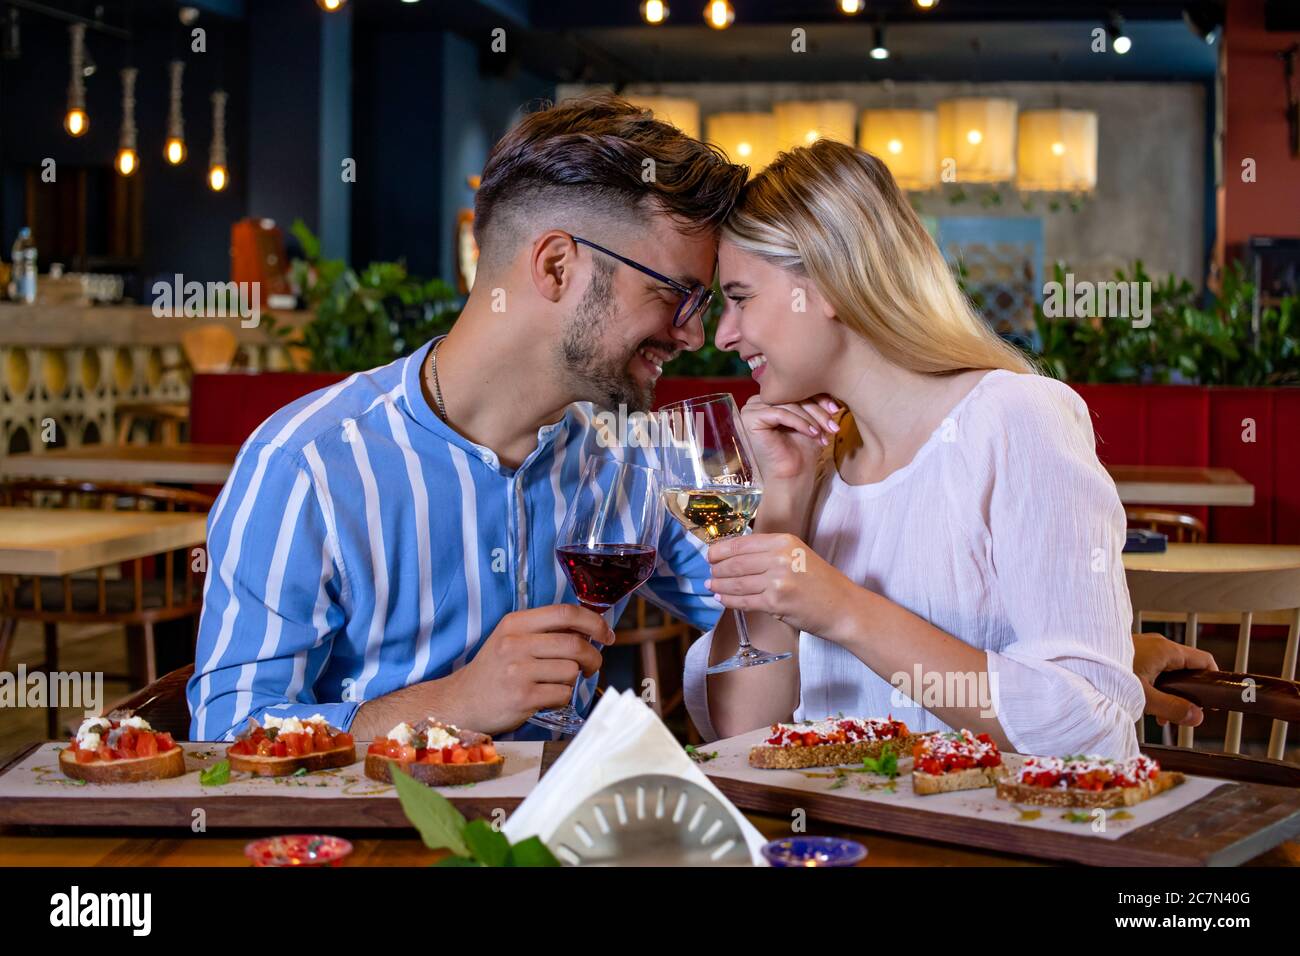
column 128, row 770
column 773, row 757
column 1075, row 797
column 286, row 766
column 974, row 778
column 436, row 774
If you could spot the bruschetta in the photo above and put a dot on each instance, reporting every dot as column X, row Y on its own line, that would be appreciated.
column 830, row 742
column 435, row 753
column 121, row 749
column 282, row 746
column 1087, row 782
column 956, row 760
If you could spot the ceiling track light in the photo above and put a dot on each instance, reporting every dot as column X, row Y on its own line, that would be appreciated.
column 1205, row 20
column 878, row 49
column 1119, row 40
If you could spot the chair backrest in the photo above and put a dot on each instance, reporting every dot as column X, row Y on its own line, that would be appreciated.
column 163, row 703
column 101, row 495
column 1176, row 525
column 209, row 347
column 1240, row 592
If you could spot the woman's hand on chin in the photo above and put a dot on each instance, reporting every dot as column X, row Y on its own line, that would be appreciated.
column 782, row 576
column 788, row 439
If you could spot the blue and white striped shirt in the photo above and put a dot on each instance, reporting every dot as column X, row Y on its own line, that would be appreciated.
column 360, row 546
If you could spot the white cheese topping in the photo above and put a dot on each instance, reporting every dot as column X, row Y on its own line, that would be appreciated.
column 401, row 734
column 136, row 723
column 1136, row 770
column 437, row 738
column 90, row 732
column 856, row 728
column 291, row 725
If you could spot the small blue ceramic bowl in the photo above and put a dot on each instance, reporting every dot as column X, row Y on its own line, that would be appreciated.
column 814, row 851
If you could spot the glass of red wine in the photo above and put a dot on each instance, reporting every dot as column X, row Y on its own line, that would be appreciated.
column 607, row 547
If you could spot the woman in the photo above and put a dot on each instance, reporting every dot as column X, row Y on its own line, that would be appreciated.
column 948, row 548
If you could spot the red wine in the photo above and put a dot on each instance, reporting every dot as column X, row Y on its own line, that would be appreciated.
column 604, row 574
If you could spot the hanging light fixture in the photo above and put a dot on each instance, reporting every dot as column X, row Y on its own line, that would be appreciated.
column 878, row 49
column 174, row 149
column 719, row 14
column 331, row 6
column 76, row 121
column 1120, row 41
column 979, row 134
column 218, row 174
column 802, row 123
column 1057, row 151
column 926, row 4
column 747, row 138
column 851, row 7
column 654, row 12
column 128, row 160
column 673, row 110
column 907, row 141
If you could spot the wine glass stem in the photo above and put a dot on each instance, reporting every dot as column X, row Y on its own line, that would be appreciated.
column 573, row 701
column 742, row 628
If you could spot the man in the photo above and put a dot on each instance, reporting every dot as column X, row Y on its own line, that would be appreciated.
column 384, row 549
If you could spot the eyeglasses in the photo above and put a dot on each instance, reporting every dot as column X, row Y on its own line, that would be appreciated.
column 695, row 299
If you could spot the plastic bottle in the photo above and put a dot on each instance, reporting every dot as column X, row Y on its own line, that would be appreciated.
column 24, row 267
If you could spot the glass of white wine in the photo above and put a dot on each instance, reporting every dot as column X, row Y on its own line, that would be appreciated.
column 712, row 486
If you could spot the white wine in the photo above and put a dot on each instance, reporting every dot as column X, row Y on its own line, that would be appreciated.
column 712, row 513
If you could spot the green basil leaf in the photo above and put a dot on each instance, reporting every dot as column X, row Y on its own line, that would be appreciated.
column 486, row 845
column 440, row 824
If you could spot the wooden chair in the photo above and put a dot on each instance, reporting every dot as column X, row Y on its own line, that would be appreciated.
column 170, row 417
column 1173, row 524
column 127, row 594
column 210, row 347
column 163, row 703
column 647, row 627
column 1242, row 593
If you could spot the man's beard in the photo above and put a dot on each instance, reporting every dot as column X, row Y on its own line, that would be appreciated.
column 599, row 378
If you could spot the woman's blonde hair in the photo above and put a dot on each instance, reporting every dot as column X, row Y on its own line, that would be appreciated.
column 834, row 214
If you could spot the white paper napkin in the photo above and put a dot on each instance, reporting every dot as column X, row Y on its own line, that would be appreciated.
column 622, row 738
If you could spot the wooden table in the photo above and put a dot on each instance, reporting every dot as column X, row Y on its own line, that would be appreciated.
column 1179, row 485
column 64, row 541
column 1217, row 557
column 57, row 846
column 186, row 464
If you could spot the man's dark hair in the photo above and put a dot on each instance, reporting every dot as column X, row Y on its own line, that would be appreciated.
column 588, row 155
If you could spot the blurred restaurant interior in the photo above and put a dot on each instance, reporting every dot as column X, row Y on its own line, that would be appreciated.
column 152, row 152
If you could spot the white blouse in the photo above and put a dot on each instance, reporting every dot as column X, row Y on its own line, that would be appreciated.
column 1004, row 531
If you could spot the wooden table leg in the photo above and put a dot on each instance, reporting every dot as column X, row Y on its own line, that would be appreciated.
column 8, row 626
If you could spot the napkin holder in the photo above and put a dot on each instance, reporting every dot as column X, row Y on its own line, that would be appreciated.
column 651, row 820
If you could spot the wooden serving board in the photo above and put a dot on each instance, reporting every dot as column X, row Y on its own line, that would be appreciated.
column 34, row 792
column 1224, row 824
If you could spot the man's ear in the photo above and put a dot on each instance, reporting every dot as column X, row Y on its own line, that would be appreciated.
column 553, row 265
